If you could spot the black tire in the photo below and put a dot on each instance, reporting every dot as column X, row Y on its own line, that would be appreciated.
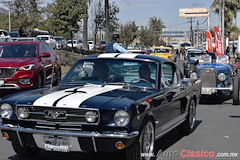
column 146, row 139
column 58, row 78
column 187, row 126
column 235, row 92
column 25, row 151
column 39, row 81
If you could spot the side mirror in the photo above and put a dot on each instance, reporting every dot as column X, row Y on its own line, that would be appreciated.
column 45, row 55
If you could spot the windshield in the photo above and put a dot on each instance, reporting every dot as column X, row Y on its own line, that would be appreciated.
column 205, row 58
column 223, row 59
column 18, row 50
column 194, row 56
column 43, row 38
column 161, row 50
column 98, row 71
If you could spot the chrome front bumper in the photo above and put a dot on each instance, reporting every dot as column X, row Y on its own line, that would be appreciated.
column 69, row 133
column 213, row 90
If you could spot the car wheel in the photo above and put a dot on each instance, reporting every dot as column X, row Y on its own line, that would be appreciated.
column 144, row 149
column 25, row 151
column 58, row 78
column 235, row 92
column 187, row 126
column 39, row 81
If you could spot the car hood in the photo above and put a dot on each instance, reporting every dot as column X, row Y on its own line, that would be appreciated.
column 223, row 68
column 87, row 96
column 16, row 62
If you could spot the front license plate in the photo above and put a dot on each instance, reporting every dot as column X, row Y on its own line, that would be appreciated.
column 1, row 82
column 60, row 144
column 207, row 91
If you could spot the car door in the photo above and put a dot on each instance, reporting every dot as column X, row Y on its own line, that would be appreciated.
column 47, row 61
column 173, row 93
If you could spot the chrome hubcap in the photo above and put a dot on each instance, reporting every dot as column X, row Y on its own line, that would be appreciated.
column 192, row 114
column 148, row 141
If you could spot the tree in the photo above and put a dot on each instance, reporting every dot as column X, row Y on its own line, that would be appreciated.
column 230, row 12
column 66, row 15
column 156, row 26
column 146, row 36
column 85, row 25
column 112, row 21
column 128, row 32
column 26, row 13
column 97, row 13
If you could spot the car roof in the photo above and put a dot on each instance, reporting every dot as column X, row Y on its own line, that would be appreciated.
column 157, row 47
column 129, row 56
column 20, row 42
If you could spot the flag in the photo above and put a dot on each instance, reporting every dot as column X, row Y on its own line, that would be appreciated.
column 209, row 46
column 218, row 41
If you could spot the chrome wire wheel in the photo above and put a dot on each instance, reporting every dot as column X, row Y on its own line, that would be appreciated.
column 192, row 114
column 148, row 138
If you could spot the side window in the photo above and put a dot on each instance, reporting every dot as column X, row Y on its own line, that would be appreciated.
column 42, row 49
column 48, row 49
column 169, row 75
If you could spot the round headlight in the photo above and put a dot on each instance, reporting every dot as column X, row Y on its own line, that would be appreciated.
column 121, row 118
column 221, row 76
column 6, row 110
column 23, row 112
column 91, row 116
column 193, row 75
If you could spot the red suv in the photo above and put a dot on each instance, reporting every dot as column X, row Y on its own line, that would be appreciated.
column 28, row 64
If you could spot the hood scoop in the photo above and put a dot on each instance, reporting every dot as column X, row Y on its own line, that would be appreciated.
column 75, row 90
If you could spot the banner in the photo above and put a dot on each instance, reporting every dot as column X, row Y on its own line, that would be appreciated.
column 209, row 46
column 218, row 41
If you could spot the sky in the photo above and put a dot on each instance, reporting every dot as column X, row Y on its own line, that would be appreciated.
column 167, row 10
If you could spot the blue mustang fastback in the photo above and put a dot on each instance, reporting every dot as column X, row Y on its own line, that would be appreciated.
column 106, row 102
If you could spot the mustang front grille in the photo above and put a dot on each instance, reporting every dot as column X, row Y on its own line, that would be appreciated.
column 208, row 77
column 7, row 72
column 59, row 115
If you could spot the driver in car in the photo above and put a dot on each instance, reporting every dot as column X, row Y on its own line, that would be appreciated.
column 145, row 74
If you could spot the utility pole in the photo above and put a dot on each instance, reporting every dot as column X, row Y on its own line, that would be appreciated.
column 222, row 4
column 191, row 31
column 107, row 21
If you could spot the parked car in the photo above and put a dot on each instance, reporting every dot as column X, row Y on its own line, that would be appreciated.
column 77, row 44
column 165, row 52
column 217, row 77
column 101, row 45
column 4, row 36
column 23, row 38
column 48, row 39
column 28, row 64
column 107, row 102
column 91, row 45
column 61, row 42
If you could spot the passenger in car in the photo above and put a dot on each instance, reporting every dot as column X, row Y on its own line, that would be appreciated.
column 101, row 71
column 145, row 74
column 31, row 52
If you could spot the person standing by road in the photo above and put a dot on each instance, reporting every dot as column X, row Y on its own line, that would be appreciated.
column 114, row 46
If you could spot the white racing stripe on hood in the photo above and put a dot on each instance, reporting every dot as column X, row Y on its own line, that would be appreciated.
column 75, row 100
column 48, row 100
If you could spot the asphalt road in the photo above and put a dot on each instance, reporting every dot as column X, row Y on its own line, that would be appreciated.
column 217, row 132
column 216, row 136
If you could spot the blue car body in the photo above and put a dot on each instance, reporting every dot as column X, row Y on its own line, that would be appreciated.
column 209, row 72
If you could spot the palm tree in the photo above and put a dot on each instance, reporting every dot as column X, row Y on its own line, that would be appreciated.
column 230, row 10
column 156, row 26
